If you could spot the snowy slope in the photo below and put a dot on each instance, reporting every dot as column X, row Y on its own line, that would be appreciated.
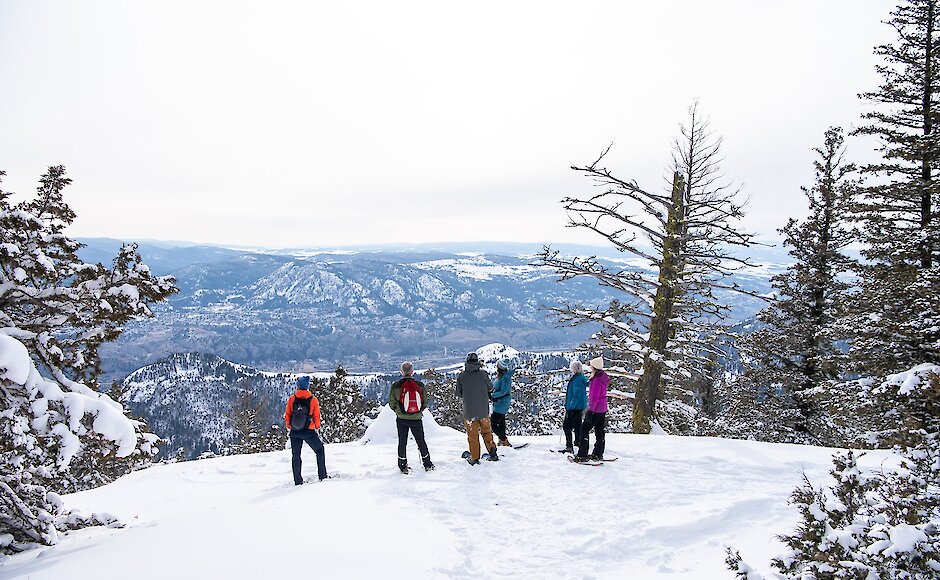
column 665, row 509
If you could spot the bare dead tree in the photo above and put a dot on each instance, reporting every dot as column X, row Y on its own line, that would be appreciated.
column 680, row 245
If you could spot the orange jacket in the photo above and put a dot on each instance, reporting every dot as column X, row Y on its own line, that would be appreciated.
column 314, row 408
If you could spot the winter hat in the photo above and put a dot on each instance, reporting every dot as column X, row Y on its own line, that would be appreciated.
column 303, row 383
column 503, row 363
column 597, row 363
column 407, row 368
column 472, row 357
column 575, row 366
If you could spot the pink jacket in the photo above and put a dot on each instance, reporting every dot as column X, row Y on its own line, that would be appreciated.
column 597, row 392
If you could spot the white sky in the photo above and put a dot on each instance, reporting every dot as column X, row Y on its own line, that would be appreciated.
column 341, row 123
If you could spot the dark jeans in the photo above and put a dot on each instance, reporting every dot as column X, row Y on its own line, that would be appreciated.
column 498, row 423
column 297, row 439
column 417, row 429
column 596, row 421
column 572, row 428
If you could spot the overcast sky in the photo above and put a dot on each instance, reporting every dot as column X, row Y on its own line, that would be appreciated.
column 286, row 124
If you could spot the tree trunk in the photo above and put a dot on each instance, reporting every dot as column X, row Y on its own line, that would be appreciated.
column 649, row 388
column 926, row 257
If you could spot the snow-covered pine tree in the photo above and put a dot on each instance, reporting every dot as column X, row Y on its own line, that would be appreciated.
column 897, row 315
column 537, row 401
column 342, row 408
column 59, row 433
column 444, row 404
column 666, row 320
column 798, row 348
column 884, row 524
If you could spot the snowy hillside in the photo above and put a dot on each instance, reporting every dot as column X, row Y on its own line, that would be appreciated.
column 187, row 398
column 665, row 509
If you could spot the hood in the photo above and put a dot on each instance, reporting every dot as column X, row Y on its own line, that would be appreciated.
column 471, row 366
column 303, row 394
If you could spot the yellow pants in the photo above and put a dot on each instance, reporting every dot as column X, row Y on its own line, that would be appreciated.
column 474, row 427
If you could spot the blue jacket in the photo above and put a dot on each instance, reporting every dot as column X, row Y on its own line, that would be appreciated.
column 502, row 393
column 576, row 393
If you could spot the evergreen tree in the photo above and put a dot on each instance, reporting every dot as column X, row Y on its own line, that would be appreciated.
column 342, row 408
column 254, row 430
column 884, row 524
column 60, row 434
column 444, row 404
column 537, row 401
column 897, row 315
column 666, row 321
column 798, row 347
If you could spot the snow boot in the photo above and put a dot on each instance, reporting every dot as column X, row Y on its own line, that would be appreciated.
column 403, row 466
column 504, row 443
column 568, row 450
column 493, row 455
column 429, row 466
column 472, row 461
column 596, row 457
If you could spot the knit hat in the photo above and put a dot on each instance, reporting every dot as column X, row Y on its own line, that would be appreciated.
column 597, row 363
column 503, row 363
column 303, row 383
column 472, row 357
column 407, row 368
column 575, row 366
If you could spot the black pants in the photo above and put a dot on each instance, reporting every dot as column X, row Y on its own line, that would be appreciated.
column 417, row 429
column 297, row 439
column 596, row 421
column 572, row 428
column 498, row 423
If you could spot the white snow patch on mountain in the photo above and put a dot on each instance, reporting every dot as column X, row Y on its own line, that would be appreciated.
column 392, row 292
column 479, row 268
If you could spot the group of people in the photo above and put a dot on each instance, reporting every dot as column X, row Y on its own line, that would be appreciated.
column 585, row 411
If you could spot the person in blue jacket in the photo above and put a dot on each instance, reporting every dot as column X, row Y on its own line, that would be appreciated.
column 502, row 396
column 575, row 404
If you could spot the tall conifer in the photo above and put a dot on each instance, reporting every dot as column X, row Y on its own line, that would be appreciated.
column 898, row 312
column 798, row 348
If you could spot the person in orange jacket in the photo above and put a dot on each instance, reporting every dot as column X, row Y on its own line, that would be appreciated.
column 302, row 419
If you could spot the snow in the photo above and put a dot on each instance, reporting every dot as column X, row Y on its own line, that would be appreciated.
column 912, row 379
column 665, row 509
column 902, row 538
column 477, row 267
column 14, row 360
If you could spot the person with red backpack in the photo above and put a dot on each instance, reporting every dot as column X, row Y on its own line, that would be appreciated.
column 302, row 418
column 407, row 398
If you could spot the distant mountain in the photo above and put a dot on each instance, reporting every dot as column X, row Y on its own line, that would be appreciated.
column 300, row 310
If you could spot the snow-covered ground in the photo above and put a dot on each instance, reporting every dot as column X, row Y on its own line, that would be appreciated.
column 665, row 509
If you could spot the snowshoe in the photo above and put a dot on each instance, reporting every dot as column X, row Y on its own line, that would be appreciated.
column 520, row 446
column 584, row 461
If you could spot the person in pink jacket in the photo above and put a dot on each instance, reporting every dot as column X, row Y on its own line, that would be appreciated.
column 596, row 415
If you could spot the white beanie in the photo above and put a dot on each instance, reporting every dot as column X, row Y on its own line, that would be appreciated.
column 575, row 366
column 597, row 363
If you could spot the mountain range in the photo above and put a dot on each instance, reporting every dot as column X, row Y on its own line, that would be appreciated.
column 365, row 309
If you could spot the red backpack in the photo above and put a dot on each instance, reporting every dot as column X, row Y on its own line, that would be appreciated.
column 410, row 397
